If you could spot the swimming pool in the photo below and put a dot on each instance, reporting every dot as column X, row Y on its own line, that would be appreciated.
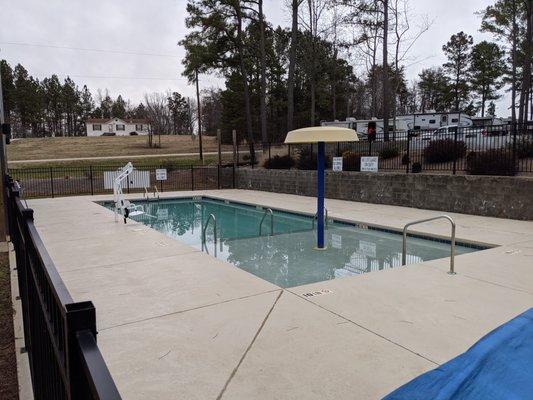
column 287, row 257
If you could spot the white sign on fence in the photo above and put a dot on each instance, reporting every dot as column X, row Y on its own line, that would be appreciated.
column 337, row 164
column 137, row 179
column 369, row 164
column 161, row 174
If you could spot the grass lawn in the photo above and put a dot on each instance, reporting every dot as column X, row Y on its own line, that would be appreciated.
column 102, row 146
column 8, row 361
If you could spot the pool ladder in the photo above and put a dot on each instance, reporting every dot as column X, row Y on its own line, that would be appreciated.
column 267, row 211
column 204, row 229
column 452, row 250
column 146, row 195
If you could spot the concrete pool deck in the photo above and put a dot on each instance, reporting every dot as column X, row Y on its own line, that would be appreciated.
column 176, row 323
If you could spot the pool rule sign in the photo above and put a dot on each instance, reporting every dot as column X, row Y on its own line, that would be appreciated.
column 337, row 164
column 369, row 164
column 161, row 174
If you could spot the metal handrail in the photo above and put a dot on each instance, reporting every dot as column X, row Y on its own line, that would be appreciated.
column 267, row 211
column 211, row 217
column 145, row 194
column 156, row 191
column 452, row 251
column 325, row 217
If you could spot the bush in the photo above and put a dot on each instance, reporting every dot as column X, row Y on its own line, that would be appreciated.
column 416, row 168
column 524, row 148
column 307, row 159
column 491, row 162
column 389, row 152
column 444, row 150
column 351, row 161
column 279, row 162
column 405, row 159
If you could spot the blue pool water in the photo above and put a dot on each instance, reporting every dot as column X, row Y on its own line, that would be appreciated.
column 286, row 258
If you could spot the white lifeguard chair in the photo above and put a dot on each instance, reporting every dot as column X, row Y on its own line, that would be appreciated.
column 122, row 206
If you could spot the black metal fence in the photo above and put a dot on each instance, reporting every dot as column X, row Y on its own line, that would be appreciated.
column 66, row 181
column 463, row 149
column 60, row 334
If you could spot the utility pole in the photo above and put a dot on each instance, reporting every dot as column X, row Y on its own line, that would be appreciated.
column 199, row 117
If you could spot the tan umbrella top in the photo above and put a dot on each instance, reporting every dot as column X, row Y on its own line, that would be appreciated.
column 325, row 134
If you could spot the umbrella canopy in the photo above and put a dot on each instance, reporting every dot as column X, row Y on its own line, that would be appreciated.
column 324, row 134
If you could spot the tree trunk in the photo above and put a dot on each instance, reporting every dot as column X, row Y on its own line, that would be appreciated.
column 292, row 65
column 385, row 71
column 313, row 68
column 334, row 83
column 199, row 110
column 262, row 105
column 246, row 93
column 513, row 70
column 526, row 69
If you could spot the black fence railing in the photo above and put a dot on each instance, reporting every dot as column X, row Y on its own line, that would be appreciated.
column 490, row 149
column 59, row 334
column 91, row 180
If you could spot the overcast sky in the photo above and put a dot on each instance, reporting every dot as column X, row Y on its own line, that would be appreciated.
column 154, row 28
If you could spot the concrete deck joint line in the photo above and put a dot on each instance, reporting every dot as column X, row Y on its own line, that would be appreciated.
column 187, row 310
column 249, row 346
column 366, row 329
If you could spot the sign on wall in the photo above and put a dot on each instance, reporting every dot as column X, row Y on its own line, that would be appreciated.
column 369, row 164
column 161, row 174
column 337, row 164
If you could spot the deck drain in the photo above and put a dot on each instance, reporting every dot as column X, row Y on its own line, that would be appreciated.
column 317, row 293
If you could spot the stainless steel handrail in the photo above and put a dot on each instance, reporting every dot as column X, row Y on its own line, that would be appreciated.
column 145, row 194
column 325, row 217
column 267, row 211
column 452, row 251
column 156, row 191
column 211, row 217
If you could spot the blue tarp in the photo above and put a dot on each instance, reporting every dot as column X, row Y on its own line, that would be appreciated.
column 499, row 366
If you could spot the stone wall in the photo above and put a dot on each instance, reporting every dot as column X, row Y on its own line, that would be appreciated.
column 505, row 197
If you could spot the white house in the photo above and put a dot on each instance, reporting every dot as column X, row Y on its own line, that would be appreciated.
column 116, row 127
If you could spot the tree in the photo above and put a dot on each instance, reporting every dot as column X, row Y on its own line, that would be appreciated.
column 70, row 97
column 180, row 111
column 216, row 44
column 487, row 68
column 502, row 20
column 158, row 114
column 118, row 108
column 385, row 75
column 292, row 64
column 491, row 109
column 435, row 90
column 8, row 88
column 457, row 50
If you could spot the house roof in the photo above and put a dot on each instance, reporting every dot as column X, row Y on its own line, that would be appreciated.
column 105, row 120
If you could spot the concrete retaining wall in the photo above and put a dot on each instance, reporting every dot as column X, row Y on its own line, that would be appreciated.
column 505, row 197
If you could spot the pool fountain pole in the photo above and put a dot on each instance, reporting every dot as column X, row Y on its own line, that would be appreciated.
column 320, row 195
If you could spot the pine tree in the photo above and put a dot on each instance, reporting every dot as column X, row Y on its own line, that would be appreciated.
column 457, row 50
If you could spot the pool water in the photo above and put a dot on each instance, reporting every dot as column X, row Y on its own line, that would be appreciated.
column 287, row 258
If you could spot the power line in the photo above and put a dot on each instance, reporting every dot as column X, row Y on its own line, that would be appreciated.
column 150, row 78
column 53, row 46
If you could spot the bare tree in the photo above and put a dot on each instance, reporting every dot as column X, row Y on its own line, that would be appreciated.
column 292, row 64
column 158, row 114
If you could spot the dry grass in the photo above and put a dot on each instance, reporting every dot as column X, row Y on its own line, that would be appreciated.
column 103, row 146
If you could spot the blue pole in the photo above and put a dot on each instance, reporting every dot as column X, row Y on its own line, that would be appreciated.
column 320, row 195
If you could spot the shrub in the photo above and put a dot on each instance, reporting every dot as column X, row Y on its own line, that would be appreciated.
column 405, row 159
column 416, row 168
column 444, row 150
column 279, row 162
column 389, row 152
column 351, row 161
column 524, row 148
column 307, row 159
column 491, row 162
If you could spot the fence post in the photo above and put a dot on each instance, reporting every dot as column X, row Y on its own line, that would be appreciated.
column 79, row 317
column 91, row 176
column 218, row 176
column 52, row 181
column 369, row 147
column 192, row 177
column 161, row 181
column 234, row 139
column 514, row 144
column 219, row 141
column 455, row 150
column 338, row 149
column 233, row 176
column 408, row 164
